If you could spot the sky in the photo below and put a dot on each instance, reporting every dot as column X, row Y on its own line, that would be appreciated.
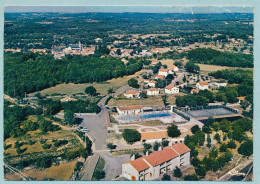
column 120, row 9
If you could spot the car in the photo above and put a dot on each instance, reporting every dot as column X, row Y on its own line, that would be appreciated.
column 85, row 130
column 80, row 128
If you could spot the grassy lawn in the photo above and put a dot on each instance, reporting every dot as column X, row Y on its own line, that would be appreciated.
column 125, row 152
column 151, row 123
column 212, row 68
column 150, row 101
column 101, row 88
column 99, row 167
column 60, row 172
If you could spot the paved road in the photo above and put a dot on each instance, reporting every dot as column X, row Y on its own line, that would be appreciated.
column 97, row 124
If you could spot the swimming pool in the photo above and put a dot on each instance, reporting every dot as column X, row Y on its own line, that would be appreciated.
column 128, row 118
column 156, row 115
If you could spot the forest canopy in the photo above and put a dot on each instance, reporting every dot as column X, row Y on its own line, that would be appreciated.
column 29, row 72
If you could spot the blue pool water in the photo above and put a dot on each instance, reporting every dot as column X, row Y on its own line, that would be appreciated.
column 157, row 115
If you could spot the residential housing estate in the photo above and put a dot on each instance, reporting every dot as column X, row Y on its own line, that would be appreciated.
column 150, row 167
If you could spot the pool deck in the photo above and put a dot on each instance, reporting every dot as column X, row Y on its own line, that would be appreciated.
column 165, row 119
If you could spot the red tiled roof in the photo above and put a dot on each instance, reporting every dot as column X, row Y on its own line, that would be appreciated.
column 130, row 108
column 158, row 157
column 159, row 76
column 133, row 92
column 241, row 98
column 194, row 90
column 153, row 89
column 153, row 135
column 203, row 83
column 163, row 70
column 170, row 86
column 139, row 164
column 152, row 81
column 180, row 148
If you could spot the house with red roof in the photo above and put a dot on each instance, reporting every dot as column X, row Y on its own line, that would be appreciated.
column 171, row 89
column 202, row 85
column 161, row 77
column 153, row 91
column 132, row 94
column 163, row 72
column 152, row 83
column 150, row 167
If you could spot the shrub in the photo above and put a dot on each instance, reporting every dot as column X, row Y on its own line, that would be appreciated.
column 131, row 136
column 166, row 177
column 173, row 131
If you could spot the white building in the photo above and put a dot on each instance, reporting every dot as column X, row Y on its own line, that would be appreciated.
column 132, row 94
column 150, row 167
column 220, row 84
column 152, row 83
column 172, row 69
column 170, row 89
column 129, row 110
column 202, row 85
column 153, row 91
column 163, row 72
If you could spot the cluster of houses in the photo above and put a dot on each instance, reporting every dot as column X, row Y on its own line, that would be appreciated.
column 153, row 165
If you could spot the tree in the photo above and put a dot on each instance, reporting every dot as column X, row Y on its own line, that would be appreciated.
column 208, row 141
column 177, row 172
column 164, row 99
column 166, row 177
column 99, row 174
column 246, row 148
column 69, row 117
column 173, row 131
column 143, row 95
column 131, row 136
column 223, row 147
column 192, row 177
column 194, row 129
column 165, row 143
column 217, row 137
column 178, row 63
column 91, row 91
column 133, row 83
column 231, row 144
column 111, row 146
column 147, row 146
column 110, row 90
column 200, row 171
column 156, row 146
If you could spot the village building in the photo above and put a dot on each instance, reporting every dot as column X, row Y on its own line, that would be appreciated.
column 146, row 81
column 151, row 137
column 202, row 85
column 130, row 110
column 163, row 72
column 170, row 89
column 98, row 40
column 161, row 77
column 153, row 91
column 132, row 94
column 193, row 91
column 172, row 69
column 152, row 83
column 220, row 84
column 150, row 167
column 241, row 98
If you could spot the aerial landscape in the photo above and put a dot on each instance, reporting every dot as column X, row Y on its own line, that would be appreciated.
column 128, row 95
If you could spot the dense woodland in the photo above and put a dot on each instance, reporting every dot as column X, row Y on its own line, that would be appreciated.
column 29, row 72
column 45, row 30
column 214, row 57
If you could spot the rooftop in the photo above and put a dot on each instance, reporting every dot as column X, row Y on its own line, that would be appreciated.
column 153, row 135
column 132, row 92
column 153, row 89
column 203, row 83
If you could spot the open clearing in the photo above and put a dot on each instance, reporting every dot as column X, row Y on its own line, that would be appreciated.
column 212, row 68
column 150, row 101
column 60, row 172
column 101, row 88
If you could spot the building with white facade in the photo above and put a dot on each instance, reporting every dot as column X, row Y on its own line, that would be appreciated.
column 202, row 85
column 130, row 110
column 170, row 89
column 153, row 91
column 150, row 167
column 132, row 94
column 172, row 69
column 152, row 83
column 163, row 72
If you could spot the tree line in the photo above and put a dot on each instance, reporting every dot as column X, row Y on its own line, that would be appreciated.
column 29, row 72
